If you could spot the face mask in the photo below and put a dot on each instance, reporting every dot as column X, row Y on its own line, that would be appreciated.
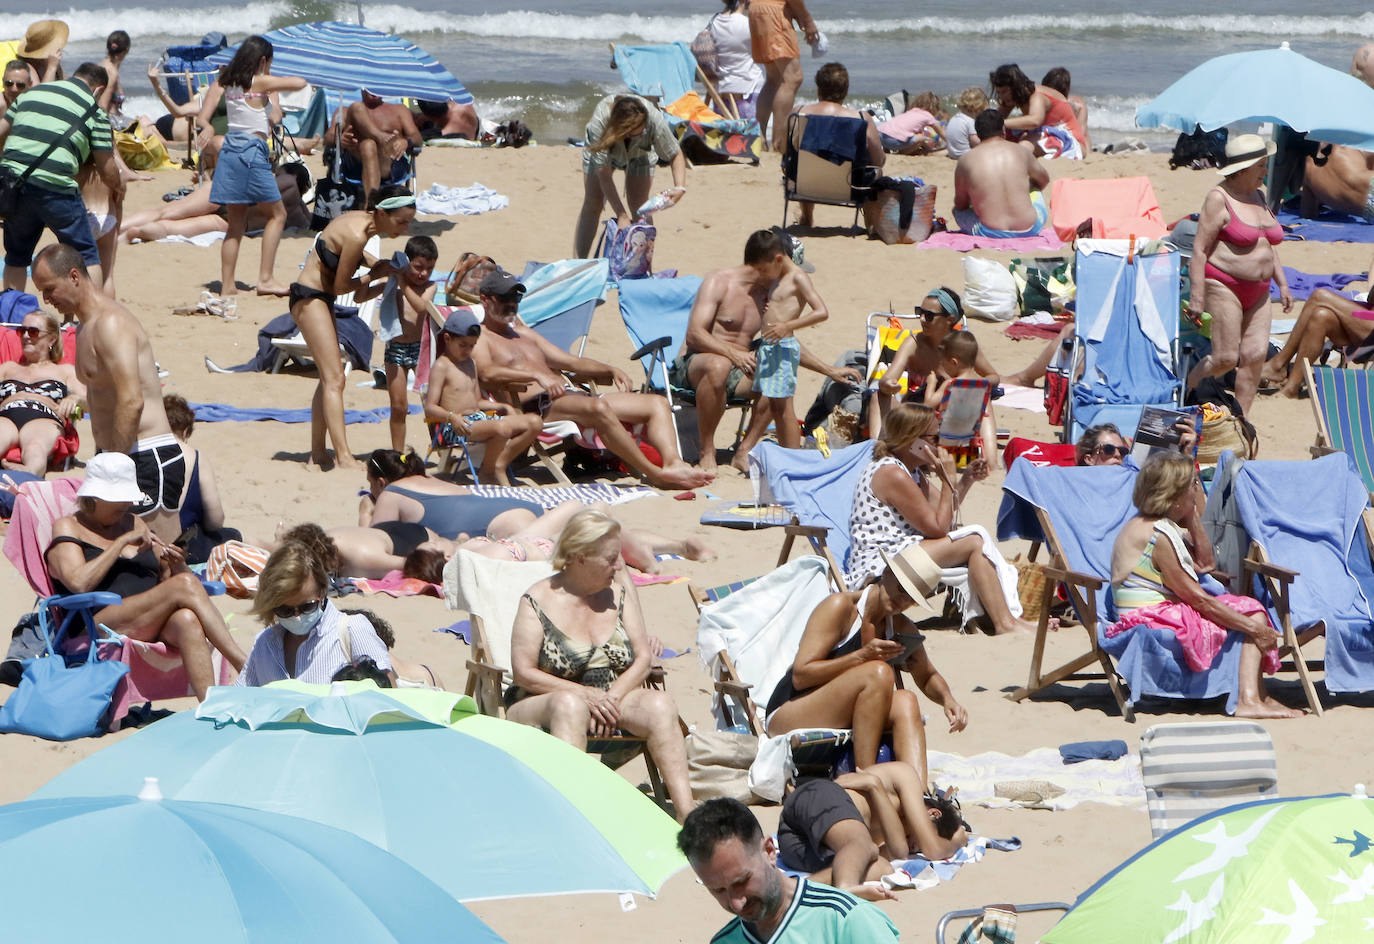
column 302, row 624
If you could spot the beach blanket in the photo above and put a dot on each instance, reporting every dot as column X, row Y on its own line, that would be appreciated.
column 963, row 242
column 555, row 495
column 396, row 584
column 1328, row 227
column 40, row 504
column 202, row 240
column 225, row 413
column 1303, row 284
column 1023, row 328
column 1109, row 782
column 1030, row 399
column 921, row 873
column 439, row 200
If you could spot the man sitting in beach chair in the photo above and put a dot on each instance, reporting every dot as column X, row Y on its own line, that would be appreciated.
column 517, row 366
column 999, row 186
column 832, row 88
column 374, row 131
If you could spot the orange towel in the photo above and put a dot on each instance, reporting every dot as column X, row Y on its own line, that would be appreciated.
column 1119, row 208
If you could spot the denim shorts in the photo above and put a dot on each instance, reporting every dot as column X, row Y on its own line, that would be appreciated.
column 243, row 172
column 40, row 208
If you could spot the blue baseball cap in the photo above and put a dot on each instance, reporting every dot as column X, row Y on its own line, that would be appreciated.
column 462, row 323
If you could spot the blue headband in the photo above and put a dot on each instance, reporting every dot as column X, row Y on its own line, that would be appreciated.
column 946, row 300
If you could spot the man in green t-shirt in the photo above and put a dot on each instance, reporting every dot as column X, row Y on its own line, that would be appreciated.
column 726, row 847
column 58, row 112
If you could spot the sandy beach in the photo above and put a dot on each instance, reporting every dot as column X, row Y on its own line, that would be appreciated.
column 264, row 480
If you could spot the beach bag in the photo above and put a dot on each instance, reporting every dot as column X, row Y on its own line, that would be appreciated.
column 62, row 702
column 706, row 53
column 718, row 764
column 1044, row 284
column 334, row 198
column 1056, row 395
column 466, row 277
column 989, row 290
column 629, row 250
column 1030, row 587
column 904, row 209
column 237, row 565
column 1223, row 430
column 142, row 153
column 1198, row 149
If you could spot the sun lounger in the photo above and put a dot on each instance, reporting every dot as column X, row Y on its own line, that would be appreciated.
column 1197, row 768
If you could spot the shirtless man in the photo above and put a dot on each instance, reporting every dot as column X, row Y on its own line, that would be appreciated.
column 114, row 359
column 517, row 366
column 374, row 131
column 1341, row 178
column 1362, row 66
column 449, row 119
column 727, row 315
column 832, row 87
column 998, row 185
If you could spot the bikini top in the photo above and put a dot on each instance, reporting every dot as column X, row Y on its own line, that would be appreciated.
column 1243, row 235
column 329, row 259
column 52, row 389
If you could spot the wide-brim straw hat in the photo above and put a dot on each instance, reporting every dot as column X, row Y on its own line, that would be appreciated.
column 917, row 573
column 110, row 476
column 42, row 39
column 1245, row 151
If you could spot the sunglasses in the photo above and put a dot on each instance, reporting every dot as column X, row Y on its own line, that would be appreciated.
column 18, row 85
column 286, row 612
column 28, row 331
column 927, row 315
column 1106, row 449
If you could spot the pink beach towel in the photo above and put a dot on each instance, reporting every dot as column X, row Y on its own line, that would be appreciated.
column 1200, row 638
column 38, row 505
column 963, row 242
column 395, row 584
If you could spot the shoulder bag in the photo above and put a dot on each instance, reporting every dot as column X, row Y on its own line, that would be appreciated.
column 9, row 184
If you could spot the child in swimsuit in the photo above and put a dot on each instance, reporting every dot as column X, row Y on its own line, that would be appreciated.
column 406, row 297
column 779, row 352
column 453, row 402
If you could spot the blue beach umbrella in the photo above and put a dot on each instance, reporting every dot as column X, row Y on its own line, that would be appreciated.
column 128, row 870
column 484, row 808
column 1277, row 85
column 345, row 57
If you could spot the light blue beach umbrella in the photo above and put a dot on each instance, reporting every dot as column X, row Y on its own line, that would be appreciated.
column 484, row 808
column 1277, row 85
column 345, row 57
column 130, row 870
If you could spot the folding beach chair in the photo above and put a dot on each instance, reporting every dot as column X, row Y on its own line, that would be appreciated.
column 655, row 313
column 826, row 162
column 992, row 924
column 490, row 591
column 884, row 336
column 961, row 410
column 1126, row 353
column 1343, row 406
column 294, row 348
column 1197, row 768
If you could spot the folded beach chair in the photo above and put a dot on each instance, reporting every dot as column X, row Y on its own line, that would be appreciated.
column 1117, row 208
column 655, row 313
column 1125, row 351
column 991, row 924
column 295, row 348
column 490, row 590
column 1197, row 768
column 826, row 162
column 155, row 671
column 1343, row 405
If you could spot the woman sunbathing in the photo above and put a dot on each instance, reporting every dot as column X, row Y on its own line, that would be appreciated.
column 844, row 671
column 1326, row 315
column 38, row 394
column 399, row 489
column 1155, row 584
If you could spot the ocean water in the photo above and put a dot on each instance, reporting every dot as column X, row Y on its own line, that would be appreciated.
column 547, row 61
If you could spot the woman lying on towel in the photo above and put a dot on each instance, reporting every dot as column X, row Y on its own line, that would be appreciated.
column 579, row 655
column 895, row 504
column 844, row 671
column 1155, row 584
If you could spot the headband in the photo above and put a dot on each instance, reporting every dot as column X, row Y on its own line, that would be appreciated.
column 396, row 203
column 946, row 300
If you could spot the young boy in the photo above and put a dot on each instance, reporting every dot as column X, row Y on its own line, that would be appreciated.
column 959, row 361
column 401, row 317
column 453, row 401
column 779, row 353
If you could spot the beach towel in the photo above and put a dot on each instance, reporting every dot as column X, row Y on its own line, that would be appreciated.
column 923, row 873
column 1079, row 751
column 1118, row 207
column 203, row 240
column 1306, row 515
column 354, row 334
column 1109, row 782
column 1303, row 284
column 491, row 589
column 439, row 200
column 818, row 490
column 552, row 496
column 837, row 140
column 14, row 305
column 1030, row 399
column 1328, row 227
column 560, row 286
column 396, row 584
column 963, row 242
column 225, row 413
column 39, row 504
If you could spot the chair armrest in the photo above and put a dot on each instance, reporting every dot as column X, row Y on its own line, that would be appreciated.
column 1319, row 451
column 1073, row 577
column 738, row 690
column 486, row 671
column 656, row 678
column 806, row 530
column 1266, row 569
column 653, row 347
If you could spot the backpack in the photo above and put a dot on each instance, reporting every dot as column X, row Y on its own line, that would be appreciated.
column 630, row 250
column 1198, row 149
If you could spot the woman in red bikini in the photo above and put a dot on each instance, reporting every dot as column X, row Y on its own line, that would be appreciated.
column 1235, row 256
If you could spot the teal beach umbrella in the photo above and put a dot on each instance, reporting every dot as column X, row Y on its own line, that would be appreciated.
column 1272, row 872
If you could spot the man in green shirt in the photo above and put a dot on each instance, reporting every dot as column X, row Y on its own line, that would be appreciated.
column 726, row 847
column 49, row 197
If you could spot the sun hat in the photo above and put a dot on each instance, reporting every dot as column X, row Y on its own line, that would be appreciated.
column 916, row 572
column 1244, row 151
column 110, row 477
column 461, row 323
column 42, row 39
column 499, row 282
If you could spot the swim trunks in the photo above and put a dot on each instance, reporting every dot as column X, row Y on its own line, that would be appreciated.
column 443, row 435
column 969, row 222
column 677, row 375
column 160, row 468
column 778, row 361
column 404, row 354
column 770, row 31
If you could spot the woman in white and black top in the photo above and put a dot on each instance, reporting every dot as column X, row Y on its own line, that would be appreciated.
column 739, row 77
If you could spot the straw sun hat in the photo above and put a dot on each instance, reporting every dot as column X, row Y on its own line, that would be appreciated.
column 1245, row 151
column 42, row 39
column 917, row 573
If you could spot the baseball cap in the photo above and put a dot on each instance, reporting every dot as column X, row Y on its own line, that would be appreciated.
column 792, row 249
column 463, row 323
column 500, row 282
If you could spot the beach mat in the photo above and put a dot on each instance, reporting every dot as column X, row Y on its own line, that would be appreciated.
column 963, row 242
column 1303, row 284
column 1328, row 227
column 227, row 413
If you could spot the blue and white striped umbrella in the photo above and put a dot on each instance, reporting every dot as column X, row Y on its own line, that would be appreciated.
column 344, row 57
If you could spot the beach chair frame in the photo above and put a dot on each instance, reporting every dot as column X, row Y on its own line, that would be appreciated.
column 981, row 913
column 1355, row 434
column 1277, row 582
column 295, row 348
column 810, row 178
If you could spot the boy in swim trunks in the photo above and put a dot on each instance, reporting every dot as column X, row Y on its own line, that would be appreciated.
column 401, row 315
column 779, row 353
column 453, row 402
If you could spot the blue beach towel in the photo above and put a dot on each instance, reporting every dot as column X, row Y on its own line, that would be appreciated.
column 1328, row 227
column 1303, row 284
column 819, row 491
column 225, row 413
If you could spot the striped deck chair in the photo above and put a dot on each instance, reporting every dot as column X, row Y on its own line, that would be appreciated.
column 1343, row 405
column 1193, row 769
column 961, row 410
column 992, row 924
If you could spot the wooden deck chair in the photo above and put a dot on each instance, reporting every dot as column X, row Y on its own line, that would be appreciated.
column 295, row 348
column 1278, row 583
column 1343, row 406
column 1196, row 768
column 811, row 177
column 490, row 590
column 992, row 924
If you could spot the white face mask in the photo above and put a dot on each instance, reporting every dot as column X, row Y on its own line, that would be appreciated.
column 302, row 624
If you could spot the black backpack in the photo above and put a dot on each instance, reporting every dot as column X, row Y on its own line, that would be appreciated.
column 1198, row 149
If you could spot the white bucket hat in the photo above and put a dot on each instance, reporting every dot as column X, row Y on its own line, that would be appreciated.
column 917, row 573
column 110, row 477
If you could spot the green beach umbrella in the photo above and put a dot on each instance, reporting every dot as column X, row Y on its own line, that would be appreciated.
column 1282, row 871
column 484, row 808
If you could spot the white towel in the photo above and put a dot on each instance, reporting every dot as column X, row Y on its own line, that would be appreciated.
column 491, row 589
column 464, row 201
column 956, row 579
column 1112, row 782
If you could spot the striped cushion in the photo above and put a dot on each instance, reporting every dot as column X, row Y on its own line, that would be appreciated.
column 1193, row 769
column 1347, row 409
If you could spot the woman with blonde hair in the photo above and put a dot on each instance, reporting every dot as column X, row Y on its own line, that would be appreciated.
column 580, row 655
column 625, row 133
column 895, row 504
column 38, row 394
